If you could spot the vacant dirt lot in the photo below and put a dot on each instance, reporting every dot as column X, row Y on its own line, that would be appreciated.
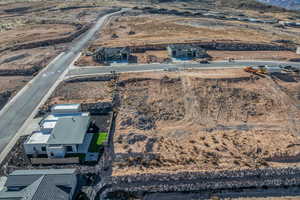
column 204, row 120
column 250, row 55
column 46, row 22
column 11, row 82
column 35, row 32
column 156, row 29
column 9, row 86
column 82, row 92
column 27, row 58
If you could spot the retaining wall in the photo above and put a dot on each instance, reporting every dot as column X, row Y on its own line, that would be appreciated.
column 206, row 181
column 69, row 38
column 218, row 45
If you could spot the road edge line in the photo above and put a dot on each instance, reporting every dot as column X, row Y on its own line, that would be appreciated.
column 4, row 109
column 14, row 140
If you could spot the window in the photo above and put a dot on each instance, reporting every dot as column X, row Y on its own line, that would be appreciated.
column 69, row 148
column 43, row 148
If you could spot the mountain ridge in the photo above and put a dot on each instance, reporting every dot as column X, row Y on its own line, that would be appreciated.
column 288, row 4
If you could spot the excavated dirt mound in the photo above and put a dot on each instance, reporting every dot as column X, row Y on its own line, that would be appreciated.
column 189, row 121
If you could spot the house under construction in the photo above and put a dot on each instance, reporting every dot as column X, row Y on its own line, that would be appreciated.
column 114, row 54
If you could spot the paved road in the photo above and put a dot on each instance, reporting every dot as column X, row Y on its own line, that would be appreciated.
column 15, row 113
column 82, row 71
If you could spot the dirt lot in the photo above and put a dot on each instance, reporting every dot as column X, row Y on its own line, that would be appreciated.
column 250, row 55
column 11, row 82
column 38, row 21
column 156, row 29
column 9, row 86
column 203, row 121
column 27, row 58
column 36, row 32
column 82, row 92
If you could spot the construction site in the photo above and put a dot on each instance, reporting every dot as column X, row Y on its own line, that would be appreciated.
column 194, row 121
column 148, row 31
column 206, row 121
column 33, row 34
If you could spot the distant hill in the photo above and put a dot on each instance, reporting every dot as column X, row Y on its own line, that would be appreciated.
column 288, row 4
column 259, row 5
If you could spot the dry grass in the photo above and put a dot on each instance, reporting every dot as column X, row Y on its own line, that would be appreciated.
column 82, row 92
column 156, row 29
column 204, row 121
column 252, row 55
column 12, row 82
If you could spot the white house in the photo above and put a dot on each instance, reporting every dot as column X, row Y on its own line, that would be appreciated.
column 60, row 134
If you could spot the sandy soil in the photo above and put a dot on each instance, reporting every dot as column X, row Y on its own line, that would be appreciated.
column 32, row 33
column 157, row 29
column 191, row 121
column 250, row 55
column 13, row 82
column 27, row 58
column 9, row 86
column 21, row 23
column 82, row 92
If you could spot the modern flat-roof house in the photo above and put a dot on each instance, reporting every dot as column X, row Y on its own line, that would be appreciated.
column 60, row 134
column 53, row 184
column 113, row 54
column 187, row 51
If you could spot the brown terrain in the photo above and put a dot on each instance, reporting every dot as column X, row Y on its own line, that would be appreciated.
column 137, row 29
column 47, row 22
column 252, row 55
column 157, row 29
column 9, row 86
column 205, row 121
column 82, row 92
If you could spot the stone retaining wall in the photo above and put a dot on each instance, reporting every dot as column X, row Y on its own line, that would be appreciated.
column 206, row 181
column 69, row 38
column 219, row 45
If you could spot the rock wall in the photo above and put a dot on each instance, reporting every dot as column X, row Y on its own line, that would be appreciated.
column 69, row 38
column 50, row 42
column 219, row 45
column 206, row 181
column 95, row 78
column 20, row 72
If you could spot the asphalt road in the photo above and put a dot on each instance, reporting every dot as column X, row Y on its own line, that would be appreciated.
column 15, row 113
column 83, row 71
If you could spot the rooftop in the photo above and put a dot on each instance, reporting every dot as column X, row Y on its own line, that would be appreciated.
column 43, row 171
column 66, row 107
column 66, row 129
column 48, row 124
column 38, row 138
column 54, row 184
column 55, row 117
column 70, row 130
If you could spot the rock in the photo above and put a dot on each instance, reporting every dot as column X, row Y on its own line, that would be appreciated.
column 132, row 139
column 145, row 122
column 127, row 122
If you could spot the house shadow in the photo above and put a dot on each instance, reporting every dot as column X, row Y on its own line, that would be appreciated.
column 284, row 77
column 132, row 59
